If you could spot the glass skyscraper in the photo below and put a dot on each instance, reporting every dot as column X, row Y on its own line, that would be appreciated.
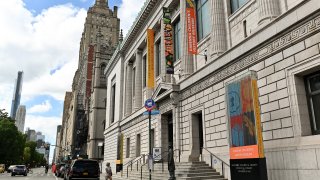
column 16, row 95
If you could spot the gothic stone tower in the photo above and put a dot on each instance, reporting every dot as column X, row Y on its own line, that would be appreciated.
column 103, row 25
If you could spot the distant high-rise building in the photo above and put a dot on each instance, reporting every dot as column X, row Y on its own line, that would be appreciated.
column 16, row 95
column 31, row 134
column 20, row 117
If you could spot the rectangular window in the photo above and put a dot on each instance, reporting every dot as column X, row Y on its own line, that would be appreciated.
column 128, row 148
column 236, row 4
column 113, row 101
column 177, row 40
column 138, row 145
column 158, row 57
column 313, row 97
column 203, row 18
column 144, row 71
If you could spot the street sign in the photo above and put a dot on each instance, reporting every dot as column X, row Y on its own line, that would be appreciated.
column 149, row 104
column 153, row 112
column 157, row 153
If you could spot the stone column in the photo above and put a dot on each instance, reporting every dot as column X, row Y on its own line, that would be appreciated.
column 138, row 80
column 268, row 10
column 176, row 119
column 218, row 34
column 128, row 100
column 186, row 58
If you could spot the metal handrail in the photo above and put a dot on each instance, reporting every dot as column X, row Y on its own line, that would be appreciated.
column 223, row 163
column 129, row 163
column 161, row 160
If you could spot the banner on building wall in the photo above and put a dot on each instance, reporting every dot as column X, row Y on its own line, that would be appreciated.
column 119, row 161
column 150, row 55
column 191, row 26
column 247, row 158
column 168, row 42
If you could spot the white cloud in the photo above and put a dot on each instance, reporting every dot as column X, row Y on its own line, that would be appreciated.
column 37, row 45
column 128, row 12
column 40, row 108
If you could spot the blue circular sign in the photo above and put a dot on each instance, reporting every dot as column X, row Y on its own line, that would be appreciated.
column 149, row 104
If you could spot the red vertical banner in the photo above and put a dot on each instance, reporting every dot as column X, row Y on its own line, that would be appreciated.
column 191, row 26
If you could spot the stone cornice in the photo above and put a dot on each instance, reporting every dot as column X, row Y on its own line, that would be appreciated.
column 297, row 34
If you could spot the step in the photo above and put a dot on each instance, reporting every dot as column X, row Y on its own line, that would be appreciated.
column 184, row 171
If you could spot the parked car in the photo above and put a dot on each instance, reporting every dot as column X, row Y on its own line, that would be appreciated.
column 19, row 170
column 2, row 168
column 58, row 166
column 60, row 172
column 84, row 169
column 10, row 168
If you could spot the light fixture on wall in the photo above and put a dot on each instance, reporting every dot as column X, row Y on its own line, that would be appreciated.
column 205, row 55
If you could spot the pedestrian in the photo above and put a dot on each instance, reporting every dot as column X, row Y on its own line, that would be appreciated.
column 108, row 172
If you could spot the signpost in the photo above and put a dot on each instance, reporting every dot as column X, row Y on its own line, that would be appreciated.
column 149, row 105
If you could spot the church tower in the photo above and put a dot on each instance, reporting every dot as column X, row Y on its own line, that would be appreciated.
column 99, row 40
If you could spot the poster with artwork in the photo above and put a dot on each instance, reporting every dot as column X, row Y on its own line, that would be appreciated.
column 244, row 118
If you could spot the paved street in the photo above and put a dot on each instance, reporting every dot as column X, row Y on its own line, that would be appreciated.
column 38, row 173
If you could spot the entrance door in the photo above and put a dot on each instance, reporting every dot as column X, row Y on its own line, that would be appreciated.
column 166, row 131
column 196, row 136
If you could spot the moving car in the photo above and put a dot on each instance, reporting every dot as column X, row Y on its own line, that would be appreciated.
column 84, row 169
column 9, row 170
column 19, row 170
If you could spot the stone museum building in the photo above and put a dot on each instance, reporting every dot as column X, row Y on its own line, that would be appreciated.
column 279, row 40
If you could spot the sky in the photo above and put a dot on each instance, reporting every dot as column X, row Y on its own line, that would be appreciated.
column 41, row 38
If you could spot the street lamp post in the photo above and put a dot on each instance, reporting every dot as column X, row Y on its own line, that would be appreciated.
column 149, row 105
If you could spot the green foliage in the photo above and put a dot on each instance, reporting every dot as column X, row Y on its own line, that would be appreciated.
column 13, row 146
column 11, row 141
column 27, row 154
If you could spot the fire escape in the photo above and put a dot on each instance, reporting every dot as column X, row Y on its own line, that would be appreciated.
column 81, row 132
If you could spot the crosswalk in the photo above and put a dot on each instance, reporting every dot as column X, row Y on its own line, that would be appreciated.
column 36, row 174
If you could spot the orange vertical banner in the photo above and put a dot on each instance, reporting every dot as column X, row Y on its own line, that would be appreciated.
column 191, row 27
column 150, row 46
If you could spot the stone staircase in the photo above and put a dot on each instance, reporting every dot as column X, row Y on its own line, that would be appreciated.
column 184, row 171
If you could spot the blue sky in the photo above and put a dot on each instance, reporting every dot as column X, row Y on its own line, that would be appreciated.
column 41, row 38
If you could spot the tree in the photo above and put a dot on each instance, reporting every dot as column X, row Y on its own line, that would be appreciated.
column 27, row 154
column 11, row 141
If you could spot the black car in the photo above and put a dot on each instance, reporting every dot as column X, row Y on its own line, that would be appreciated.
column 83, row 169
column 19, row 170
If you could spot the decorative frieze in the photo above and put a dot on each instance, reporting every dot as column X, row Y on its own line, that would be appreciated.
column 280, row 43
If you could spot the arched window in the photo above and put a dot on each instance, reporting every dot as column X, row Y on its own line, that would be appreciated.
column 102, row 68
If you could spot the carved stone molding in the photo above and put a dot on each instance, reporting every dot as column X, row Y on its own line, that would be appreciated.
column 298, row 34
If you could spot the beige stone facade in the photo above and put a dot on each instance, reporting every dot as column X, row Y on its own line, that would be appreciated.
column 83, row 127
column 278, row 39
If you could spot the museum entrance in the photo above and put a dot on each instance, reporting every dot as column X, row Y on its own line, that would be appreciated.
column 166, row 131
column 196, row 136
